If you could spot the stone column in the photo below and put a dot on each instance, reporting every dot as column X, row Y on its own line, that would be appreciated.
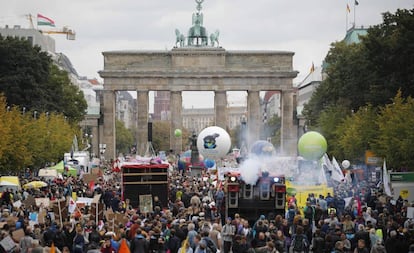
column 253, row 117
column 176, row 104
column 108, row 136
column 289, row 130
column 220, row 109
column 142, row 122
column 95, row 140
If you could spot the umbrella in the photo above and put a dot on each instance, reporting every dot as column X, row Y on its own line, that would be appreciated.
column 35, row 185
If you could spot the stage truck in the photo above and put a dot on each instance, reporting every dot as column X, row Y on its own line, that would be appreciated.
column 141, row 182
column 266, row 197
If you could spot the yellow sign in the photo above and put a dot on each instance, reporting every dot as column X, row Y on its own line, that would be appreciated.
column 404, row 194
column 302, row 192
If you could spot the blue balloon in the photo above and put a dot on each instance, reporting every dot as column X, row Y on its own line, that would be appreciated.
column 209, row 163
column 262, row 148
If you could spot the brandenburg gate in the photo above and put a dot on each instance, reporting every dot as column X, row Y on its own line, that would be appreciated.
column 198, row 63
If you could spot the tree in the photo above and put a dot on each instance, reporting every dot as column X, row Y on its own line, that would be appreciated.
column 161, row 135
column 345, row 84
column 356, row 133
column 31, row 141
column 370, row 72
column 327, row 124
column 65, row 97
column 272, row 130
column 29, row 79
column 124, row 138
column 389, row 50
column 23, row 71
column 396, row 136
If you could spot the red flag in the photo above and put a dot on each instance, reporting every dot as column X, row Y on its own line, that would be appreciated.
column 123, row 248
column 91, row 185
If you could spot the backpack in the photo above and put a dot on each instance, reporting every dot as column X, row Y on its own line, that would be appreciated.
column 299, row 243
column 210, row 245
column 291, row 215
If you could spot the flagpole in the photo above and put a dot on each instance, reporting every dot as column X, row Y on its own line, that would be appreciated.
column 346, row 20
column 60, row 213
column 354, row 13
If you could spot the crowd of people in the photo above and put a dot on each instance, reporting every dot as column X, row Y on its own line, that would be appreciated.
column 192, row 222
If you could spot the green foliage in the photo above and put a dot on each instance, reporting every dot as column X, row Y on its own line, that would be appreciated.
column 369, row 73
column 390, row 52
column 23, row 72
column 66, row 98
column 272, row 130
column 124, row 138
column 161, row 135
column 396, row 136
column 29, row 79
column 327, row 124
column 355, row 133
column 28, row 141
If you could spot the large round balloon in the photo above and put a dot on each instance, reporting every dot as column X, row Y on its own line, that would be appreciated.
column 178, row 132
column 312, row 145
column 213, row 142
column 346, row 164
column 262, row 148
column 209, row 163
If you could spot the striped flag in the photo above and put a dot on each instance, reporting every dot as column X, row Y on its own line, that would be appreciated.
column 42, row 20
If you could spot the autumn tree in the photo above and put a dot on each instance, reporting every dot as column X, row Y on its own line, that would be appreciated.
column 395, row 132
column 356, row 133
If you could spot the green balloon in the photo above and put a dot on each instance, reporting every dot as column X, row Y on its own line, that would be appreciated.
column 178, row 132
column 312, row 145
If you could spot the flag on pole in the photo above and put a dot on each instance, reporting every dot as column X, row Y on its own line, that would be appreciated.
column 386, row 180
column 356, row 2
column 337, row 174
column 72, row 206
column 312, row 69
column 42, row 20
column 347, row 8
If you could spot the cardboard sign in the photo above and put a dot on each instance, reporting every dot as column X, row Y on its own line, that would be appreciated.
column 100, row 212
column 96, row 198
column 17, row 204
column 17, row 234
column 8, row 244
column 84, row 201
column 44, row 201
column 89, row 177
column 41, row 218
column 96, row 171
column 145, row 203
column 30, row 201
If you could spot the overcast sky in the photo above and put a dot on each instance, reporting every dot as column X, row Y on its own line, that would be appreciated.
column 305, row 27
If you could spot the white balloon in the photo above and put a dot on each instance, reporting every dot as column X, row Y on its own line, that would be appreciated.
column 213, row 142
column 346, row 164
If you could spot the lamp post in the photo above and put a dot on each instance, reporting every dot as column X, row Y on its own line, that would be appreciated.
column 89, row 144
